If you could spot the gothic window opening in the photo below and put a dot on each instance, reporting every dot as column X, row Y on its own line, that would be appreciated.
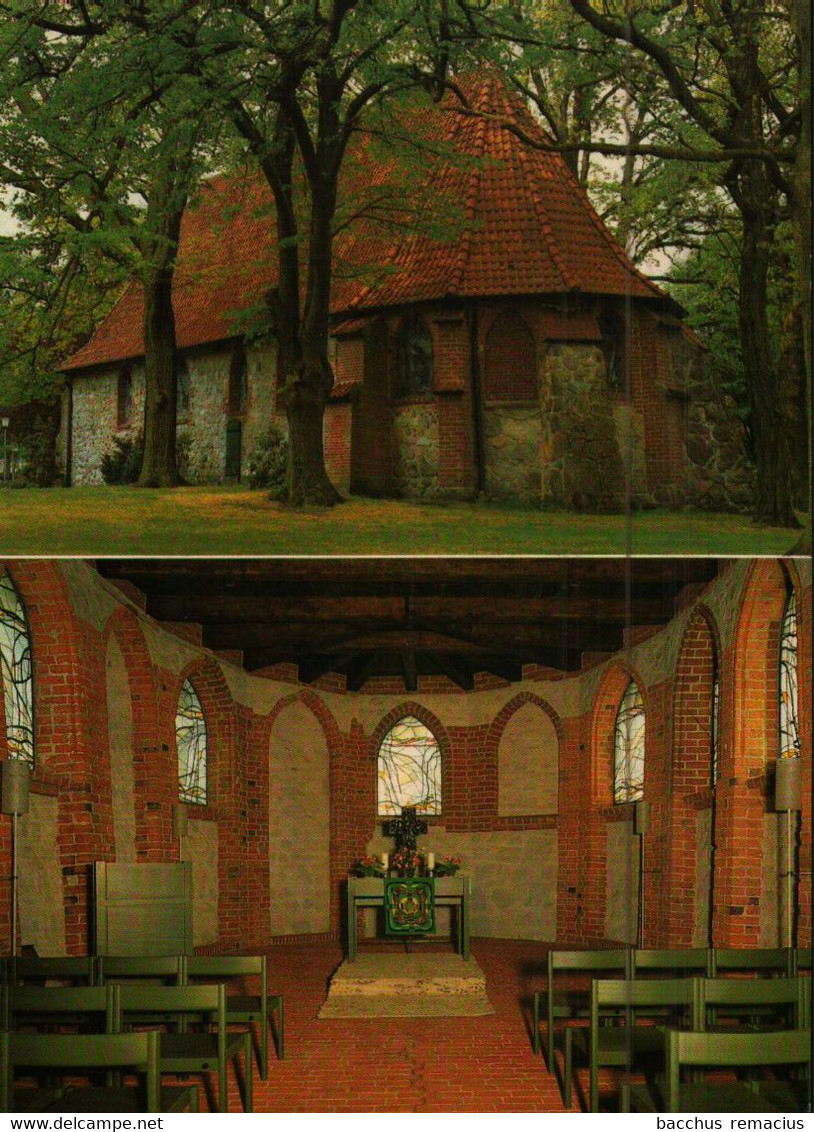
column 612, row 329
column 628, row 747
column 789, row 746
column 510, row 360
column 409, row 769
column 124, row 397
column 414, row 361
column 15, row 665
column 190, row 739
column 182, row 392
column 238, row 381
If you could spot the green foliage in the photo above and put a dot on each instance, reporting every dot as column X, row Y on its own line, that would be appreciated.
column 268, row 466
column 123, row 464
column 40, row 466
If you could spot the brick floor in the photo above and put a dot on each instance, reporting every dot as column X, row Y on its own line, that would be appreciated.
column 482, row 1064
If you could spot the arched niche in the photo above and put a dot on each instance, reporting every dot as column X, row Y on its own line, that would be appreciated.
column 299, row 824
column 528, row 763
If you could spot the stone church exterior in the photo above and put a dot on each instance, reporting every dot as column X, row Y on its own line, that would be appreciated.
column 515, row 354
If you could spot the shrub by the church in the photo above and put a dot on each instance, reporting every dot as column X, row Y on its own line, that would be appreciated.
column 268, row 466
column 123, row 464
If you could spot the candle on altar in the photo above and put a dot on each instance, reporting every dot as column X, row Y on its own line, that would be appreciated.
column 385, row 859
column 430, row 861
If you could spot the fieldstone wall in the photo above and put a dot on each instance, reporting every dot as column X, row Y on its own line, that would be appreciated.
column 581, row 463
column 94, row 420
column 415, row 450
column 721, row 477
column 511, row 452
column 621, row 882
column 628, row 427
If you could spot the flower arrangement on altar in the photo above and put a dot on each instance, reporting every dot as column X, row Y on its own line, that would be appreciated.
column 368, row 867
column 447, row 866
column 408, row 863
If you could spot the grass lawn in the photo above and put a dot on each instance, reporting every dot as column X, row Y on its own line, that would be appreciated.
column 107, row 521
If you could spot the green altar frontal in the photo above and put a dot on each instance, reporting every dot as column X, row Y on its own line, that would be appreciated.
column 451, row 892
column 409, row 905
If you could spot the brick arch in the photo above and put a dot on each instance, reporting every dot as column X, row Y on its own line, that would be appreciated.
column 603, row 718
column 593, row 833
column 311, row 700
column 510, row 358
column 433, row 723
column 220, row 715
column 69, row 762
column 690, row 788
column 501, row 721
column 153, row 826
column 749, row 749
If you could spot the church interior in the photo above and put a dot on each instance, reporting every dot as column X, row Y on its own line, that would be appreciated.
column 236, row 757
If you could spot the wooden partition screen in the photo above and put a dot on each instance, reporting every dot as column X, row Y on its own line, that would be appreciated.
column 142, row 909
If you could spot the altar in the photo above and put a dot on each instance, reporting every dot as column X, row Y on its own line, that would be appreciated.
column 450, row 891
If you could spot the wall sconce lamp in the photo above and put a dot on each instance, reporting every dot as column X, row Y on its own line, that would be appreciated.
column 641, row 824
column 14, row 775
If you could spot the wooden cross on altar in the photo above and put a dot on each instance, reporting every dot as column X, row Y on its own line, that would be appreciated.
column 406, row 828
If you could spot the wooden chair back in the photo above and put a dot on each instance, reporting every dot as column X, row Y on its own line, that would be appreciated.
column 134, row 1052
column 751, row 960
column 164, row 969
column 78, row 969
column 789, row 995
column 671, row 961
column 43, row 1006
column 738, row 1049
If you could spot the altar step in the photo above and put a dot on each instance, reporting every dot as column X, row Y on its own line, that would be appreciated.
column 382, row 985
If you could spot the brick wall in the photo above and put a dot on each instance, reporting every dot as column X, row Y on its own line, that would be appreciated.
column 737, row 619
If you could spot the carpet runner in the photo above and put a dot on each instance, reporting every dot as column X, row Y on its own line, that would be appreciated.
column 399, row 985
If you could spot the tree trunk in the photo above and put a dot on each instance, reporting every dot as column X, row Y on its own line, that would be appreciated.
column 773, row 457
column 307, row 388
column 801, row 215
column 158, row 467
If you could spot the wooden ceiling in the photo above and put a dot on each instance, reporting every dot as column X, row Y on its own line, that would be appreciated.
column 411, row 617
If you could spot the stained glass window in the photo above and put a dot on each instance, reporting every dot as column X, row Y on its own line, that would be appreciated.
column 789, row 731
column 628, row 747
column 190, row 738
column 15, row 664
column 414, row 358
column 409, row 769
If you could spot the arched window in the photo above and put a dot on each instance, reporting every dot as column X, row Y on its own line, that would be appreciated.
column 190, row 739
column 510, row 360
column 15, row 664
column 789, row 745
column 628, row 747
column 182, row 393
column 713, row 721
column 124, row 397
column 414, row 363
column 238, row 381
column 409, row 769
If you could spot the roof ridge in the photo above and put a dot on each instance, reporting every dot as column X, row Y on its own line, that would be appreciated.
column 542, row 217
column 465, row 239
column 614, row 246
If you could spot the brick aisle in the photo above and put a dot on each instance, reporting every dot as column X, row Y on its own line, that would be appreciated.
column 407, row 1065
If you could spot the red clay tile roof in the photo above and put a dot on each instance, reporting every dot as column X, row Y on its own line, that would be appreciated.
column 513, row 221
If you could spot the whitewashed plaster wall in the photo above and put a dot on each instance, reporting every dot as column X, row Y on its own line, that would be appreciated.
column 528, row 764
column 40, row 902
column 621, row 882
column 299, row 824
column 200, row 846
